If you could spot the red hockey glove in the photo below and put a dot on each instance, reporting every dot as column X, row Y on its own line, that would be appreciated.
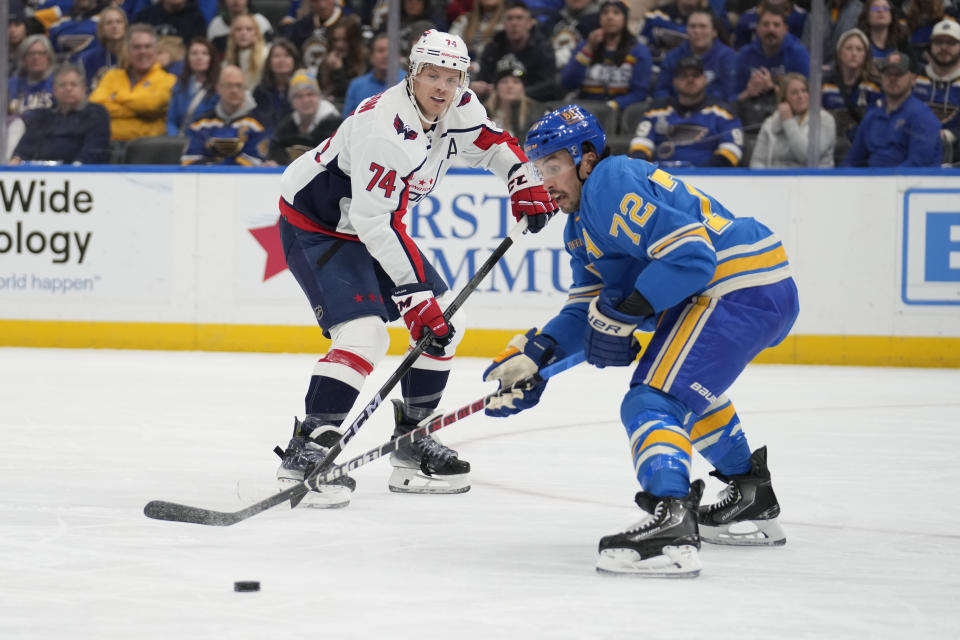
column 420, row 311
column 529, row 198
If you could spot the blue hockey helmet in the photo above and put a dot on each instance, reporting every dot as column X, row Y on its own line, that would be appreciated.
column 566, row 128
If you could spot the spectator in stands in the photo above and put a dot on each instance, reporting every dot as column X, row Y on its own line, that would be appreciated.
column 879, row 21
column 247, row 49
column 521, row 38
column 179, row 18
column 77, row 30
column 31, row 86
column 785, row 136
column 345, row 60
column 509, row 106
column 322, row 16
column 850, row 87
column 232, row 132
column 136, row 96
column 16, row 34
column 312, row 120
column 611, row 65
column 772, row 53
column 568, row 27
column 219, row 28
column 411, row 12
column 664, row 27
column 838, row 18
column 46, row 12
column 939, row 85
column 74, row 131
column 719, row 60
column 901, row 131
column 374, row 82
column 457, row 8
column 195, row 91
column 921, row 16
column 271, row 94
column 746, row 27
column 110, row 47
column 170, row 54
column 690, row 129
column 478, row 26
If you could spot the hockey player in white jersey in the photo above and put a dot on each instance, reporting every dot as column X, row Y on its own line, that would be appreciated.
column 344, row 234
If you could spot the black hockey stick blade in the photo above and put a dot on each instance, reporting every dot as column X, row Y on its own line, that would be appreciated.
column 173, row 512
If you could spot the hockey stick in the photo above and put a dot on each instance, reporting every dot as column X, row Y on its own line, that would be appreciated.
column 435, row 423
column 163, row 510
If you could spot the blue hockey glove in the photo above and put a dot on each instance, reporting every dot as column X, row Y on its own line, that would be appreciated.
column 609, row 340
column 524, row 356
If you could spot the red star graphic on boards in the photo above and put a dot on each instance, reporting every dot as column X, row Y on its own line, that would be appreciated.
column 269, row 239
column 423, row 182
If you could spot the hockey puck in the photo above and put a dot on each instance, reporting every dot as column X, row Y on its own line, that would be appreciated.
column 246, row 585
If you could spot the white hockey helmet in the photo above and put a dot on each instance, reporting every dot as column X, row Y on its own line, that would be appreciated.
column 443, row 50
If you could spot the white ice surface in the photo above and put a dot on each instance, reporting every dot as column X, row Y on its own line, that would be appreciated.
column 865, row 463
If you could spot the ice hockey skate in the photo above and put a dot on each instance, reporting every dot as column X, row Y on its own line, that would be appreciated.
column 663, row 545
column 747, row 509
column 425, row 466
column 310, row 443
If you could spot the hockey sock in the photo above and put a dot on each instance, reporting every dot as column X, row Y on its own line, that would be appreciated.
column 422, row 386
column 718, row 437
column 661, row 453
column 335, row 385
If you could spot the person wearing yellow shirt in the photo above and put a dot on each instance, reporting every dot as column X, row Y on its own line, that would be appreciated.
column 137, row 96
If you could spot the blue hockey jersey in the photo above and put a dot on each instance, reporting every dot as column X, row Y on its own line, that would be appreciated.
column 641, row 228
column 704, row 135
column 942, row 95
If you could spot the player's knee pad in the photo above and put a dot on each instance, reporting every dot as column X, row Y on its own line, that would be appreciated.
column 643, row 398
column 366, row 337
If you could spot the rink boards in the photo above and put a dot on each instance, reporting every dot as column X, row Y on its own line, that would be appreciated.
column 169, row 258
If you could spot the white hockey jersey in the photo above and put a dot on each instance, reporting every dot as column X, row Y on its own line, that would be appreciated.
column 359, row 183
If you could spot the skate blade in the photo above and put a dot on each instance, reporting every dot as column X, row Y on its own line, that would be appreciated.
column 750, row 533
column 407, row 480
column 336, row 497
column 676, row 562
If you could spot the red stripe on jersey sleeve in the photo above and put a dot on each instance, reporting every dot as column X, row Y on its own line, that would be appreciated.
column 488, row 137
column 358, row 363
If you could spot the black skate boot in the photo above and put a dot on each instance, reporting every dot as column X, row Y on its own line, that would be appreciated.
column 311, row 441
column 425, row 466
column 747, row 510
column 664, row 545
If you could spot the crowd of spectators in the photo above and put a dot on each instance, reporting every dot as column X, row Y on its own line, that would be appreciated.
column 680, row 82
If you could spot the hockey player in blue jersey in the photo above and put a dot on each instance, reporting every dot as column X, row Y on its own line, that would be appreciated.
column 650, row 252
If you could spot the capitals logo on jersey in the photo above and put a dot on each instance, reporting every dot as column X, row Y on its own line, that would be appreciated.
column 404, row 130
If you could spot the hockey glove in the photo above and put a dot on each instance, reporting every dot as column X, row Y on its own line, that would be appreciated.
column 609, row 340
column 421, row 313
column 524, row 356
column 529, row 198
